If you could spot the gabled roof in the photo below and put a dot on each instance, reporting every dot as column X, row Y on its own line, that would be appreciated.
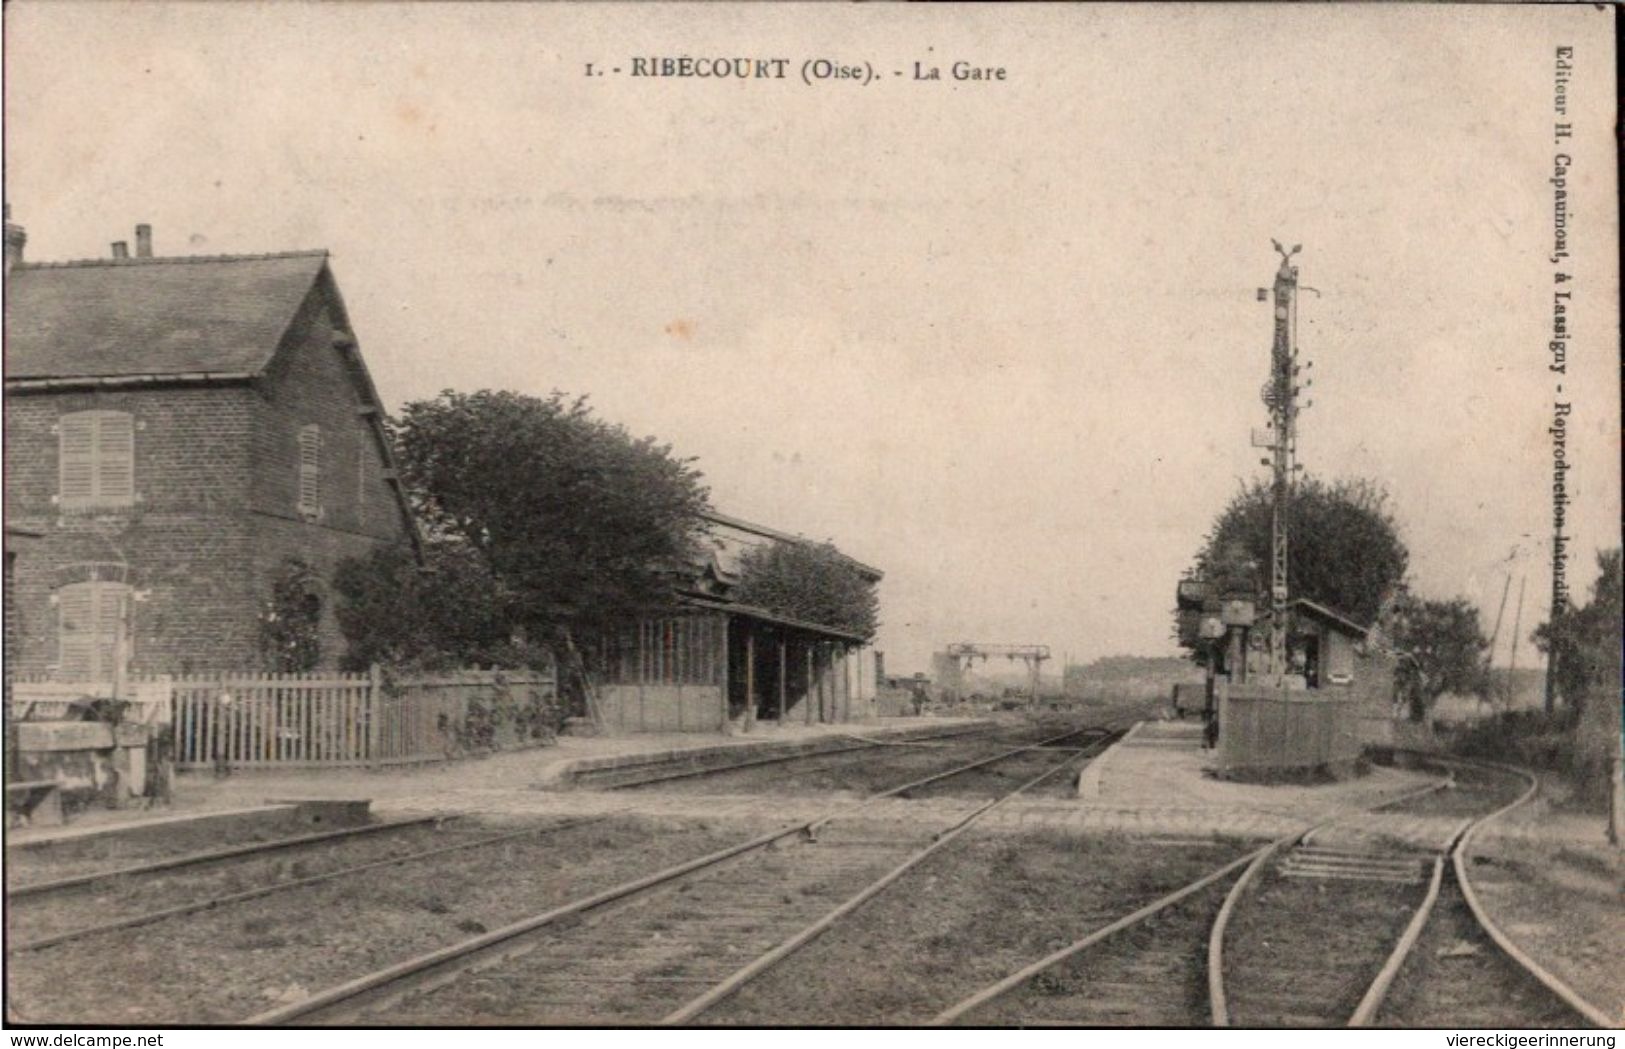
column 191, row 318
column 186, row 318
column 733, row 536
column 1304, row 606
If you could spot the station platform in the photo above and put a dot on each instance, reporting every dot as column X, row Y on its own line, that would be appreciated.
column 1158, row 779
column 512, row 780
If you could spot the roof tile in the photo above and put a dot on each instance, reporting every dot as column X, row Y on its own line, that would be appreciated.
column 105, row 318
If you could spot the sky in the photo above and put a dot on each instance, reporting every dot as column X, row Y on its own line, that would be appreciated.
column 999, row 339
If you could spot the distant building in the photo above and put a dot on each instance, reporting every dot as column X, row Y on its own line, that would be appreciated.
column 716, row 662
column 181, row 433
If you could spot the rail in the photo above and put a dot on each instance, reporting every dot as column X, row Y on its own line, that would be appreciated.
column 763, row 963
column 213, row 855
column 451, row 959
column 151, row 917
column 1547, row 978
column 1253, row 861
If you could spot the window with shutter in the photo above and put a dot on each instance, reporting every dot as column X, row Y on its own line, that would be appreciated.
column 310, row 475
column 96, row 460
column 87, row 630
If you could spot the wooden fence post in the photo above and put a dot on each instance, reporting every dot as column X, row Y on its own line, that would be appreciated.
column 375, row 709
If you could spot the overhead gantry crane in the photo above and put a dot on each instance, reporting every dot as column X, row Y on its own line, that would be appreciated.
column 1032, row 655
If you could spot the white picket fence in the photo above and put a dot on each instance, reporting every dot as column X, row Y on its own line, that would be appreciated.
column 326, row 720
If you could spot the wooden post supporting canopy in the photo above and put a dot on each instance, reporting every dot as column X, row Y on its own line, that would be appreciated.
column 723, row 676
column 750, row 676
column 784, row 679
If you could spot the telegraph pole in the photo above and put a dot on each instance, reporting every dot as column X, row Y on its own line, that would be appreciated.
column 1280, row 397
column 1489, row 660
column 1517, row 621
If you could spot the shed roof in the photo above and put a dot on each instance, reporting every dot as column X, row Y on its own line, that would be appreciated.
column 733, row 536
column 196, row 317
column 1304, row 606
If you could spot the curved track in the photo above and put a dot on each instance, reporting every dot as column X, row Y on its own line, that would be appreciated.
column 1387, row 884
column 668, row 946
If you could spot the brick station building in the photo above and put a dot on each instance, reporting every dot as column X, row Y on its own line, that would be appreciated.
column 181, row 434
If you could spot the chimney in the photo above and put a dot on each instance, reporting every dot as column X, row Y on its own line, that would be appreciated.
column 121, row 250
column 16, row 237
column 143, row 241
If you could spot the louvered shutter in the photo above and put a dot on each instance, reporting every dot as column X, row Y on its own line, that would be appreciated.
column 76, row 632
column 77, row 458
column 87, row 630
column 115, row 458
column 310, row 465
column 96, row 457
column 108, row 602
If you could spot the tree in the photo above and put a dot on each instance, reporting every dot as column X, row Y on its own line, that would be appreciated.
column 580, row 523
column 1441, row 649
column 1344, row 549
column 1584, row 645
column 815, row 583
column 290, row 620
column 447, row 612
column 1584, row 642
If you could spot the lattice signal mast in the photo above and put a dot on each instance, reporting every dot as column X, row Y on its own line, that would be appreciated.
column 1280, row 396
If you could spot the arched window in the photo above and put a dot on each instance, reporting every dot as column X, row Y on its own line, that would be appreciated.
column 95, row 460
column 310, row 471
column 88, row 630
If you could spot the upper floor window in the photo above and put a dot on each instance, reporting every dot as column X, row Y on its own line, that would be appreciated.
column 88, row 616
column 96, row 459
column 310, row 471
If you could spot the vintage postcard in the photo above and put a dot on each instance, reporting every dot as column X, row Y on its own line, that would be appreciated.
column 682, row 515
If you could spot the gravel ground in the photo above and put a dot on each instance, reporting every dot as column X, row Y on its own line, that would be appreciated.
column 965, row 918
column 222, row 966
column 1565, row 906
column 1287, row 963
column 1151, row 975
column 1477, row 792
column 25, row 863
column 857, row 773
column 32, row 917
column 1456, row 977
column 1001, row 777
column 873, row 770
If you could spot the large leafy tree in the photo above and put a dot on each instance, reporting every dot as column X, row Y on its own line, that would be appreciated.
column 568, row 524
column 813, row 582
column 1441, row 648
column 449, row 611
column 1345, row 551
column 1583, row 643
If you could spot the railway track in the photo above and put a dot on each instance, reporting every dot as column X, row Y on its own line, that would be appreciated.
column 44, row 886
column 1288, row 967
column 835, row 756
column 669, row 946
column 19, row 917
column 1273, row 959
